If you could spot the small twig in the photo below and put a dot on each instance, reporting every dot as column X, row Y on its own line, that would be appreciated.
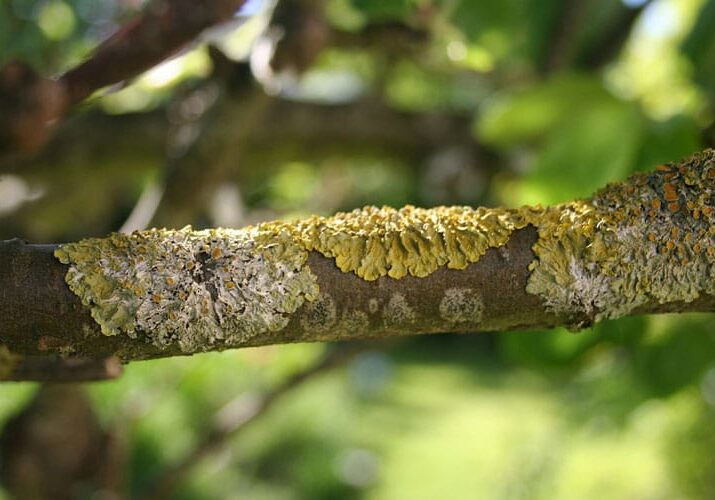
column 238, row 413
column 144, row 209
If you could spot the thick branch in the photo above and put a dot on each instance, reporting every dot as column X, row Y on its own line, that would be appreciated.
column 643, row 246
column 42, row 316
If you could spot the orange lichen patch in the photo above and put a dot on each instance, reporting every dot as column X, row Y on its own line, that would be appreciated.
column 669, row 192
column 673, row 207
column 655, row 203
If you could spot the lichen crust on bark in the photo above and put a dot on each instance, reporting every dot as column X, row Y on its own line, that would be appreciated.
column 197, row 289
column 201, row 289
column 646, row 240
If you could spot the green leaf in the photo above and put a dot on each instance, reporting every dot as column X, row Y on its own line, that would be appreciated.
column 531, row 113
column 585, row 152
column 699, row 46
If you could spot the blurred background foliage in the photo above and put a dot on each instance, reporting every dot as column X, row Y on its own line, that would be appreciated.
column 316, row 106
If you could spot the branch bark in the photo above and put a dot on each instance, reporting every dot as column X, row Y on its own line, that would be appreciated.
column 642, row 246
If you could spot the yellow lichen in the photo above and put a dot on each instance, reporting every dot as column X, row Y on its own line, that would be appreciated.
column 374, row 242
column 645, row 240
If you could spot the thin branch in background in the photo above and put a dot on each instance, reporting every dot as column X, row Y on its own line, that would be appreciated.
column 567, row 26
column 31, row 106
column 192, row 116
column 59, row 369
column 164, row 27
column 235, row 416
column 144, row 209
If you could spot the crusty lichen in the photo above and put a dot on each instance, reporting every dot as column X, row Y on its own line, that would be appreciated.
column 398, row 313
column 320, row 315
column 649, row 239
column 197, row 289
column 461, row 305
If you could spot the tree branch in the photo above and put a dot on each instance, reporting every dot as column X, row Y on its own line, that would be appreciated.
column 31, row 106
column 643, row 246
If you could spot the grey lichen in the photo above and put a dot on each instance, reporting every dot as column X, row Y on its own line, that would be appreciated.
column 320, row 315
column 646, row 240
column 398, row 313
column 353, row 323
column 195, row 289
column 461, row 305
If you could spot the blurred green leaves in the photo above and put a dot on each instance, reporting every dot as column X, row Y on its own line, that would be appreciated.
column 699, row 46
column 574, row 126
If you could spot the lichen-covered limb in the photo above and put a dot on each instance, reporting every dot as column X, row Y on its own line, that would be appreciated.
column 645, row 245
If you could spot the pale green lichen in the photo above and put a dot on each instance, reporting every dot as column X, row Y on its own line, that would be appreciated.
column 647, row 240
column 398, row 313
column 352, row 323
column 196, row 289
column 461, row 305
column 320, row 315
